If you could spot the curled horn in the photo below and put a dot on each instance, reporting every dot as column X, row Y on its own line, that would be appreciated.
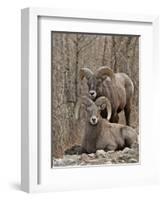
column 85, row 72
column 104, row 71
column 103, row 100
column 82, row 100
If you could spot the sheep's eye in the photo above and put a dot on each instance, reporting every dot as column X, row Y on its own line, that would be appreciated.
column 99, row 81
column 101, row 107
column 88, row 108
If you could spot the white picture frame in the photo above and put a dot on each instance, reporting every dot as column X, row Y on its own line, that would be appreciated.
column 36, row 173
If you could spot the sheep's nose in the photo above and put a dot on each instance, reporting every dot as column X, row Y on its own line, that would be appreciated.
column 93, row 120
column 92, row 93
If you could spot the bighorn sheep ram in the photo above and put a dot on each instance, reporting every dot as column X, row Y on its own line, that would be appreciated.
column 99, row 132
column 117, row 87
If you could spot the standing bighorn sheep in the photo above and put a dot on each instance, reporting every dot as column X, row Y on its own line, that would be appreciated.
column 117, row 87
column 99, row 132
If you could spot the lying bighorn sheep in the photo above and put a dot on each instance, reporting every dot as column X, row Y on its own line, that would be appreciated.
column 99, row 132
column 117, row 87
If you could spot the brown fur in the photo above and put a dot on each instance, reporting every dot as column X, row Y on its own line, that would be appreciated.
column 117, row 87
column 104, row 135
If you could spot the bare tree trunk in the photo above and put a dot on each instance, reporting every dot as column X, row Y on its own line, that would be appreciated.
column 104, row 51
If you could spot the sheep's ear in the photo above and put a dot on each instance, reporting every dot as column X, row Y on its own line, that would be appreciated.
column 102, row 106
column 102, row 78
column 85, row 72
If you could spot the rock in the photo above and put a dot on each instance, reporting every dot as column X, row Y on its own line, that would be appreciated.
column 128, row 150
column 84, row 157
column 66, row 161
column 70, row 162
column 100, row 153
column 114, row 160
column 122, row 161
column 110, row 151
column 58, row 162
column 92, row 155
column 127, row 155
column 74, row 157
column 109, row 162
column 133, row 160
column 120, row 156
column 82, row 163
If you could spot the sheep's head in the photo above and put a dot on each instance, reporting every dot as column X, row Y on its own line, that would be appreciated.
column 95, row 80
column 93, row 108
